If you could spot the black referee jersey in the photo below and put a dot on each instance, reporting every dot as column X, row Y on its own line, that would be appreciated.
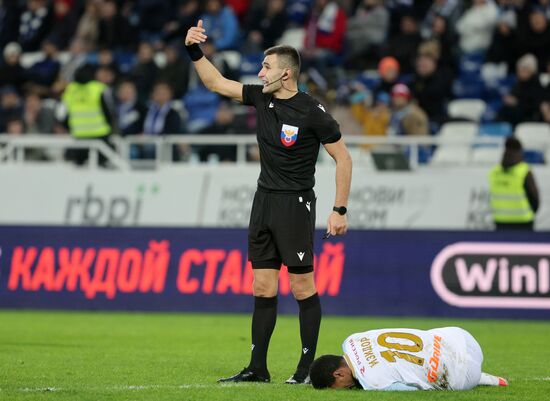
column 289, row 132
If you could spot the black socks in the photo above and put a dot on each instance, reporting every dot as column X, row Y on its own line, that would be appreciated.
column 310, row 321
column 263, row 324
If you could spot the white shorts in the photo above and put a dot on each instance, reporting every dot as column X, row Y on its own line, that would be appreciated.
column 464, row 363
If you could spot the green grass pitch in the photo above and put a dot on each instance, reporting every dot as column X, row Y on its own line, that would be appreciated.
column 139, row 356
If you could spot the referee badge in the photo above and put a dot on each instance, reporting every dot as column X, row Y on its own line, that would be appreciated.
column 289, row 134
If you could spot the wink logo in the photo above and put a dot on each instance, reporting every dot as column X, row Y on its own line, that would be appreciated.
column 301, row 255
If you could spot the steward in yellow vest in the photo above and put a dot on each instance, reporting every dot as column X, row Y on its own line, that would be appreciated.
column 88, row 110
column 514, row 194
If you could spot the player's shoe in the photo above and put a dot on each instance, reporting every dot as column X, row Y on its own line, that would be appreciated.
column 502, row 382
column 298, row 378
column 246, row 375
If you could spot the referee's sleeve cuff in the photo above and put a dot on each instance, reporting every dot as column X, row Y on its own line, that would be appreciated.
column 332, row 139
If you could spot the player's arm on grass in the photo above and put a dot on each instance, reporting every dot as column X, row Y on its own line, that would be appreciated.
column 209, row 75
column 336, row 224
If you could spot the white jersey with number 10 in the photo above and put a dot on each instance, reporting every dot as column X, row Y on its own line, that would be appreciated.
column 433, row 359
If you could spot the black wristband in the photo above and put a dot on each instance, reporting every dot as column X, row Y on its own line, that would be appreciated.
column 194, row 51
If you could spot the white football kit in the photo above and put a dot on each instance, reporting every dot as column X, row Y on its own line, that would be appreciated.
column 408, row 359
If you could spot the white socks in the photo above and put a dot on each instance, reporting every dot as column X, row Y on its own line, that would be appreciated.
column 490, row 380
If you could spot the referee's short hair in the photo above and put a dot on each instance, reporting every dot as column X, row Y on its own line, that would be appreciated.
column 288, row 57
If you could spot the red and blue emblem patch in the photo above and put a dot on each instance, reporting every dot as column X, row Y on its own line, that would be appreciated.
column 289, row 134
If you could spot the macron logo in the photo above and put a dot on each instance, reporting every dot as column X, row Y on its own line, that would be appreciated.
column 321, row 107
column 270, row 105
column 305, row 350
column 308, row 205
column 301, row 255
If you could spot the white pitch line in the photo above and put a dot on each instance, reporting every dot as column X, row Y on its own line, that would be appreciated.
column 126, row 387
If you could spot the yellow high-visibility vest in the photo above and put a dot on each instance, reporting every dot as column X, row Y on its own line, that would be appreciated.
column 86, row 118
column 508, row 198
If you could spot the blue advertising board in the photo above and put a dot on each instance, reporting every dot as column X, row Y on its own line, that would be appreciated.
column 407, row 273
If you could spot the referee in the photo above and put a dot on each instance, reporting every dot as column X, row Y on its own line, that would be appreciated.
column 291, row 126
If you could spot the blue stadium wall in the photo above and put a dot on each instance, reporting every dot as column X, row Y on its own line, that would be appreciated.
column 400, row 273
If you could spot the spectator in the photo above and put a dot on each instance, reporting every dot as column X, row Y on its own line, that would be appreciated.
column 225, row 122
column 187, row 15
column 503, row 44
column 367, row 29
column 15, row 126
column 221, row 24
column 115, row 30
column 325, row 36
column 144, row 72
column 153, row 16
column 9, row 22
column 34, row 25
column 388, row 69
column 536, row 38
column 106, row 58
column 77, row 59
column 524, row 100
column 11, row 71
column 38, row 118
column 298, row 11
column 407, row 118
column 88, row 25
column 43, row 73
column 176, row 71
column 130, row 111
column 241, row 7
column 403, row 45
column 106, row 75
column 161, row 119
column 442, row 35
column 65, row 21
column 10, row 106
column 265, row 26
column 476, row 25
column 448, row 9
column 374, row 120
column 431, row 87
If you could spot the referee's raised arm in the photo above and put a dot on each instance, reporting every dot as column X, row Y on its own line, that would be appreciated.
column 209, row 75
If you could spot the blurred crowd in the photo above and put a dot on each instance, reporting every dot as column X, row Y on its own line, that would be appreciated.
column 391, row 66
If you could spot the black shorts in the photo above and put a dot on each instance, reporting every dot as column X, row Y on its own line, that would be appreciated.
column 281, row 231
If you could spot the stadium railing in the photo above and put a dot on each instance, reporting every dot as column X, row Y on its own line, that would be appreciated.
column 12, row 148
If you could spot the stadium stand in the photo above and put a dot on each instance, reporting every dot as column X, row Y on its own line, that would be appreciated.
column 480, row 77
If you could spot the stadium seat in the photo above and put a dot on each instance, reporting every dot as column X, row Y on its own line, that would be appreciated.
column 458, row 130
column 251, row 64
column 499, row 130
column 544, row 79
column 535, row 138
column 446, row 155
column 232, row 58
column 470, row 109
column 250, row 80
column 533, row 135
column 491, row 73
column 486, row 156
column 293, row 37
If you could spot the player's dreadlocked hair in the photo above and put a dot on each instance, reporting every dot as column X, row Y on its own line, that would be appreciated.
column 322, row 370
column 288, row 58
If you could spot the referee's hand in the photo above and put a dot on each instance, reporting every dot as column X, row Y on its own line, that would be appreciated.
column 337, row 224
column 196, row 35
